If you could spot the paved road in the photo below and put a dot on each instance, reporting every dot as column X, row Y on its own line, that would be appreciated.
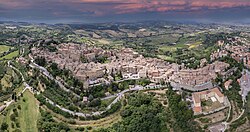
column 118, row 98
column 245, row 84
column 126, row 80
column 118, row 95
column 204, row 86
column 47, row 74
column 109, row 97
column 107, row 82
column 72, row 112
column 122, row 92
column 26, row 86
column 245, row 89
column 9, row 65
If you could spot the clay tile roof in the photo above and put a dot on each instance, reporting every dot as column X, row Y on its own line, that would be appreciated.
column 227, row 83
column 197, row 109
column 217, row 91
column 196, row 98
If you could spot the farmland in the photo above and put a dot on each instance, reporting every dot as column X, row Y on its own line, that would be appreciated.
column 4, row 48
column 22, row 115
column 10, row 55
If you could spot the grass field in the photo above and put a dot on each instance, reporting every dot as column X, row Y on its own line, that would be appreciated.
column 6, row 80
column 168, row 48
column 8, row 120
column 29, row 113
column 10, row 56
column 167, row 58
column 4, row 48
column 194, row 45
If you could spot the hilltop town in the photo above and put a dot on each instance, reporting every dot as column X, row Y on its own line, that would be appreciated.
column 95, row 78
column 130, row 64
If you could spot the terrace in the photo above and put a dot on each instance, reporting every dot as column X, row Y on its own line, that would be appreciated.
column 210, row 104
column 208, row 101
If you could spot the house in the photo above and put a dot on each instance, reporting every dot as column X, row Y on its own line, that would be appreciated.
column 22, row 60
column 85, row 99
column 227, row 84
column 213, row 94
column 142, row 73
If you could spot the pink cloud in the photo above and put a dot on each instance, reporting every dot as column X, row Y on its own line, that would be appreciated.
column 14, row 3
column 131, row 6
column 103, row 7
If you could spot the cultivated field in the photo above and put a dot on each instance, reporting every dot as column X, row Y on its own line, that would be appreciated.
column 4, row 48
column 29, row 113
column 26, row 115
column 10, row 56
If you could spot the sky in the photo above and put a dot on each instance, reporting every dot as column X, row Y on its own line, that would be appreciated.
column 92, row 11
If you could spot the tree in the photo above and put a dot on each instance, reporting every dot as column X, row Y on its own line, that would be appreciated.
column 40, row 61
column 95, row 102
column 142, row 114
column 83, row 59
column 2, row 70
column 90, row 97
column 1, row 87
column 13, row 96
column 17, row 130
column 182, row 115
column 4, row 126
column 12, row 117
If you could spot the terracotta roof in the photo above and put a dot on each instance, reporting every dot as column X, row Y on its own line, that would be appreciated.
column 196, row 96
column 227, row 83
column 197, row 109
column 217, row 91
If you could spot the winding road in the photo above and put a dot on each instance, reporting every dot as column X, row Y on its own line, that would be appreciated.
column 47, row 74
column 80, row 114
column 118, row 95
column 118, row 98
column 26, row 86
column 245, row 84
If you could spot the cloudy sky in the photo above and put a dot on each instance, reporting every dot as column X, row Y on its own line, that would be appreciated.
column 86, row 11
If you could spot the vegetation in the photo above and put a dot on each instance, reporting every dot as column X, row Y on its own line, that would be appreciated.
column 2, row 70
column 4, row 48
column 188, row 50
column 179, row 43
column 143, row 113
column 22, row 115
column 29, row 113
column 40, row 61
column 205, row 120
column 10, row 55
column 183, row 117
column 47, row 124
column 70, row 81
column 10, row 81
column 83, row 59
column 237, row 123
column 57, row 95
column 233, row 92
column 51, row 48
column 55, row 109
